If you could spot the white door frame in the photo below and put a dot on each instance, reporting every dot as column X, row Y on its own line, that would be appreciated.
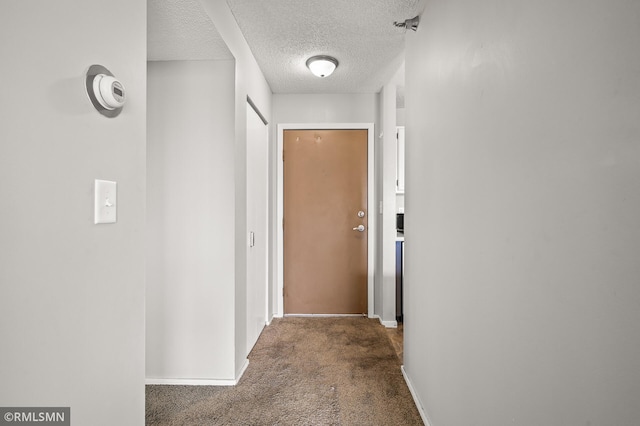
column 279, row 303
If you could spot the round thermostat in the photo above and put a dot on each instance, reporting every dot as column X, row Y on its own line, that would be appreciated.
column 107, row 94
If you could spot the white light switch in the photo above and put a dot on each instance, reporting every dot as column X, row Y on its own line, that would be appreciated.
column 105, row 201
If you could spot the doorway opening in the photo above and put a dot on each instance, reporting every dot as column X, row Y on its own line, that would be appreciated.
column 370, row 206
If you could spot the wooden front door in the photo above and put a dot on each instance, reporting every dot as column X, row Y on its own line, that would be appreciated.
column 325, row 193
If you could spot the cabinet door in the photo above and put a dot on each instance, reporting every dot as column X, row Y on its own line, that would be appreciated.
column 400, row 159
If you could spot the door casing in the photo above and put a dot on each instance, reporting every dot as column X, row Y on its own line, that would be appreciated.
column 371, row 206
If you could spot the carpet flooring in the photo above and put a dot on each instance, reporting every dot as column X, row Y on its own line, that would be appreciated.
column 302, row 371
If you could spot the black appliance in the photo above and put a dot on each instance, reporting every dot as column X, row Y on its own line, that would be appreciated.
column 400, row 222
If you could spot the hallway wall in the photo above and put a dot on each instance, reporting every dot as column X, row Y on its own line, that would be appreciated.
column 523, row 169
column 324, row 108
column 316, row 108
column 72, row 293
column 249, row 83
column 387, row 232
column 190, row 198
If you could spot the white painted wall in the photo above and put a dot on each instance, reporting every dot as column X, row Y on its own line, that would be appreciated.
column 387, row 243
column 250, row 82
column 379, row 161
column 324, row 108
column 399, row 202
column 386, row 161
column 316, row 108
column 190, row 217
column 72, row 304
column 400, row 116
column 523, row 169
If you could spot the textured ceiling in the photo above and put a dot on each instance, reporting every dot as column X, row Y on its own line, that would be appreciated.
column 283, row 34
column 182, row 30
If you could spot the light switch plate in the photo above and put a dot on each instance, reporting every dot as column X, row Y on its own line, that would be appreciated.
column 105, row 201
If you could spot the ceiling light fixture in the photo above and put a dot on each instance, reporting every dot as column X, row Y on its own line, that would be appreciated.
column 321, row 65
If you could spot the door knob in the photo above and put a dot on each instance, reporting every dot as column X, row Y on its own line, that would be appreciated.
column 359, row 228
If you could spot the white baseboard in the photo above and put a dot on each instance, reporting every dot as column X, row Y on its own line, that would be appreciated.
column 388, row 324
column 200, row 382
column 242, row 370
column 323, row 315
column 192, row 382
column 421, row 410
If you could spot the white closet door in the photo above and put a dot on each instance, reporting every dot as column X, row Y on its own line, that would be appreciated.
column 257, row 225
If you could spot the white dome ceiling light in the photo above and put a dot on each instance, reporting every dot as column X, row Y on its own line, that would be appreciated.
column 321, row 65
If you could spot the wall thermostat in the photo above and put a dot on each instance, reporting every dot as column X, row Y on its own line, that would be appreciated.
column 106, row 92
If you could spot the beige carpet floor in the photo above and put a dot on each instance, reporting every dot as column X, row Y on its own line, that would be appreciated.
column 302, row 371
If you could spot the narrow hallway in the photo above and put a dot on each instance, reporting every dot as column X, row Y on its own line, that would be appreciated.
column 302, row 371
